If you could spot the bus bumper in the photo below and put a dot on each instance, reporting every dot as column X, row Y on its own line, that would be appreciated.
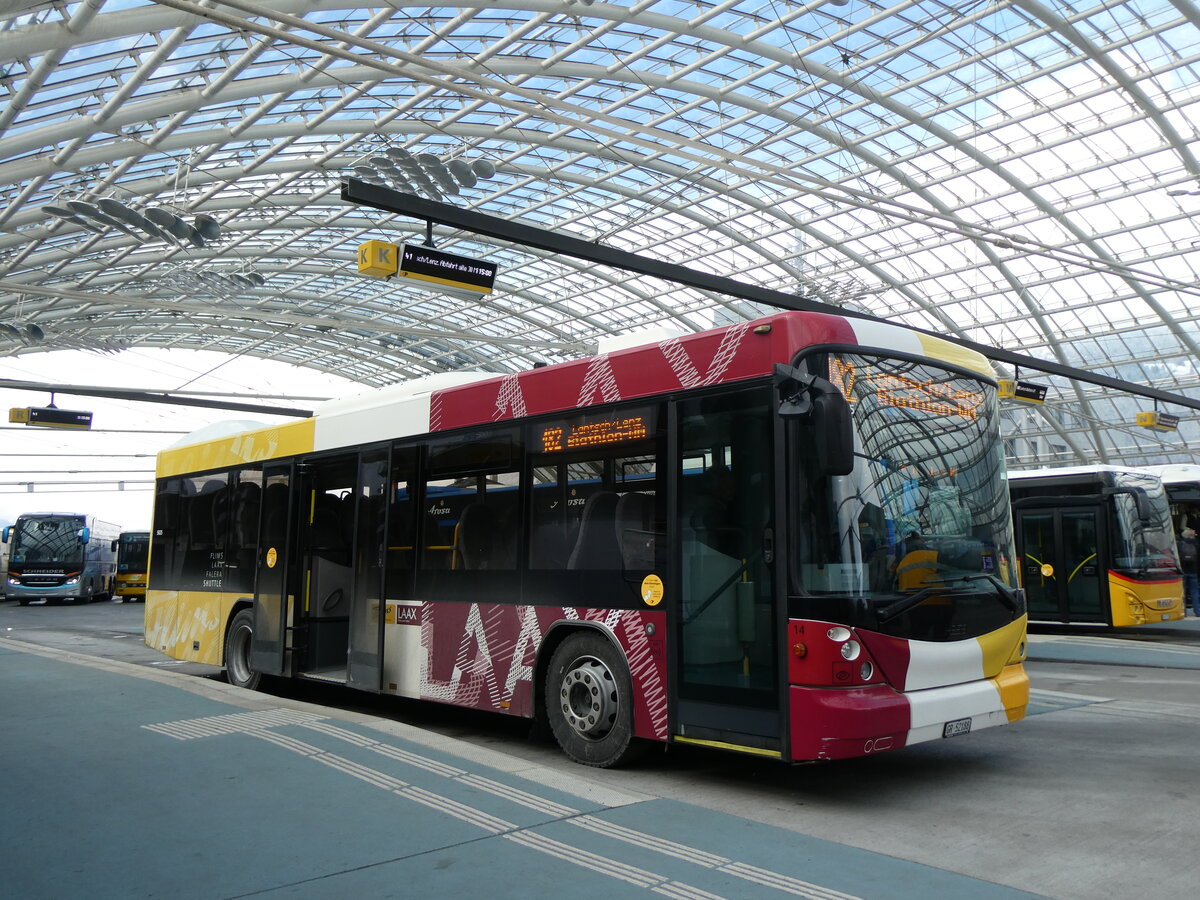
column 839, row 723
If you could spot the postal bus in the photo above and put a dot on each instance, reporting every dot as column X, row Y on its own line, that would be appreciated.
column 1096, row 546
column 133, row 555
column 59, row 556
column 698, row 540
column 1181, row 481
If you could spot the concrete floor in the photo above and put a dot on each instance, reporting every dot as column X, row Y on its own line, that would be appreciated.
column 125, row 778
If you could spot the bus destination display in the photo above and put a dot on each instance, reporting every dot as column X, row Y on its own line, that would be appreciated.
column 575, row 436
column 924, row 395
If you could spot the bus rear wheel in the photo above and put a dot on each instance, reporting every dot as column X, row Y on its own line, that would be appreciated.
column 238, row 639
column 589, row 702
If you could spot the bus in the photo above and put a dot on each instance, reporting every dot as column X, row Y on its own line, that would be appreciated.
column 1097, row 546
column 133, row 554
column 59, row 556
column 1182, row 484
column 692, row 541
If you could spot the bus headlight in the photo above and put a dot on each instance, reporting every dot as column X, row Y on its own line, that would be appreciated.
column 74, row 580
column 15, row 581
column 850, row 650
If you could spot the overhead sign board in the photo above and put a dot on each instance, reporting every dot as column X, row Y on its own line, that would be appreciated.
column 427, row 264
column 1025, row 391
column 382, row 259
column 1159, row 421
column 50, row 417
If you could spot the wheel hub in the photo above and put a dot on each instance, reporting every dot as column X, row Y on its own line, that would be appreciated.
column 588, row 698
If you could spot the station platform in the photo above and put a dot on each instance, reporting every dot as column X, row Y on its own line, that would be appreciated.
column 129, row 781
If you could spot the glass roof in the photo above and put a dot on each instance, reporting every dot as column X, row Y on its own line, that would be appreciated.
column 1019, row 173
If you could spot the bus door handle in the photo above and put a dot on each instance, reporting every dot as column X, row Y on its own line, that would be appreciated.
column 768, row 545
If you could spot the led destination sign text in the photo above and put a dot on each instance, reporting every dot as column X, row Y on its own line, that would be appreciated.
column 934, row 397
column 557, row 438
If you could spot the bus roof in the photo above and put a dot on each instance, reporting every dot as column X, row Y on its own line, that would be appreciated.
column 1175, row 473
column 1070, row 471
column 463, row 399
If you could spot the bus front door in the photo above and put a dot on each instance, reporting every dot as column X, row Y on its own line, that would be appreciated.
column 726, row 622
column 343, row 516
column 1062, row 565
column 272, row 593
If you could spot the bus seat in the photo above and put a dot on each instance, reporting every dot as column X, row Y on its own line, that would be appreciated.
column 596, row 546
column 635, row 530
column 475, row 540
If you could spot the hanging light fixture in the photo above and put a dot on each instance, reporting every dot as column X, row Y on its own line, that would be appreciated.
column 422, row 173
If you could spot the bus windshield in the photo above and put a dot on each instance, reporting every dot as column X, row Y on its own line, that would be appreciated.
column 47, row 539
column 133, row 552
column 921, row 544
column 1139, row 543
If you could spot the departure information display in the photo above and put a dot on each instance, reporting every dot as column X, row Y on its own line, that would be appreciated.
column 580, row 434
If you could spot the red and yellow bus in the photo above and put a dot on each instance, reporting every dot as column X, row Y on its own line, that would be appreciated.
column 706, row 540
column 1097, row 546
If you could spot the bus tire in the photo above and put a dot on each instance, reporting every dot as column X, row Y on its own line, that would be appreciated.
column 589, row 702
column 238, row 670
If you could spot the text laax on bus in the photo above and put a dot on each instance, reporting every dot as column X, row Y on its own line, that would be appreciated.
column 556, row 438
column 908, row 393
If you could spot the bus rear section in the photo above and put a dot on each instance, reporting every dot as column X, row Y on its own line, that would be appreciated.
column 60, row 556
column 1097, row 546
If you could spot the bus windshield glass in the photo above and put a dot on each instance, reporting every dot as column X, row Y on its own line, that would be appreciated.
column 133, row 552
column 921, row 540
column 1141, row 544
column 47, row 539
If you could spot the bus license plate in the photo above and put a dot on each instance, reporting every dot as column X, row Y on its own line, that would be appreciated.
column 956, row 727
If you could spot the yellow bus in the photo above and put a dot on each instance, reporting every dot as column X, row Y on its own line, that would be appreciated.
column 133, row 556
column 1097, row 546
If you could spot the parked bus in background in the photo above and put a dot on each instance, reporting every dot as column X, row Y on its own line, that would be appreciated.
column 60, row 556
column 4, row 556
column 133, row 553
column 1097, row 546
column 1182, row 484
column 691, row 541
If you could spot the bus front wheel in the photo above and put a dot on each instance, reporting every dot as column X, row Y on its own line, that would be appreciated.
column 589, row 702
column 238, row 669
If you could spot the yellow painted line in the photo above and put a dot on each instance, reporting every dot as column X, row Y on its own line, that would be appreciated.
column 721, row 745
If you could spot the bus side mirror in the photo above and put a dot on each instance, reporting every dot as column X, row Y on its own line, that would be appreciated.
column 114, row 546
column 85, row 535
column 804, row 396
column 834, row 434
column 7, row 532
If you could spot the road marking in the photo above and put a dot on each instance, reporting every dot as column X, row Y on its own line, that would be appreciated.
column 1051, row 701
column 259, row 724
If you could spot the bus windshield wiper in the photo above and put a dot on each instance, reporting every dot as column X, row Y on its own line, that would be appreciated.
column 904, row 604
column 1008, row 596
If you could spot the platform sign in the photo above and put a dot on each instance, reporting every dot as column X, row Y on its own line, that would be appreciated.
column 427, row 264
column 1159, row 421
column 1025, row 391
column 50, row 417
column 378, row 258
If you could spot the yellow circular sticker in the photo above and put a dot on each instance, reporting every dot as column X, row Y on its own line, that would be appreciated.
column 272, row 558
column 652, row 590
column 1047, row 570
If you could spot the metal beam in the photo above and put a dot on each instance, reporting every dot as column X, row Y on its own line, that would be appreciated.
column 509, row 231
column 150, row 397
